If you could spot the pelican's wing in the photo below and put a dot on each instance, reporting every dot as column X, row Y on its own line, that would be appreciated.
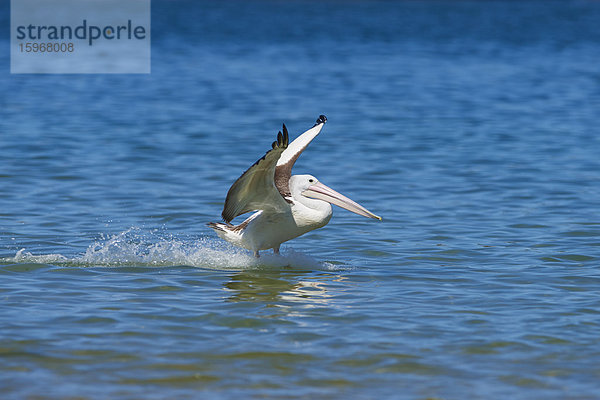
column 283, row 172
column 255, row 189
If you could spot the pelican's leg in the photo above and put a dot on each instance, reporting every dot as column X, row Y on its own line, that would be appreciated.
column 256, row 254
column 276, row 249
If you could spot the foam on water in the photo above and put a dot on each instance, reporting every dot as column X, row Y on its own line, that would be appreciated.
column 155, row 248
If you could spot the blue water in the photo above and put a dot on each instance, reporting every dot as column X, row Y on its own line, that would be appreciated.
column 471, row 127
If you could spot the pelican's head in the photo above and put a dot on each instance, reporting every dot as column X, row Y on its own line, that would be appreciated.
column 310, row 187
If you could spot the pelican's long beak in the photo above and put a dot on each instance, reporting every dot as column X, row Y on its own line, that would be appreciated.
column 322, row 192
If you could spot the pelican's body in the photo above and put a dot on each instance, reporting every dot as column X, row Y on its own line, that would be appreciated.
column 267, row 230
column 285, row 206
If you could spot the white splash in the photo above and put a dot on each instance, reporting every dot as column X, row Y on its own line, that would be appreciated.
column 25, row 257
column 135, row 247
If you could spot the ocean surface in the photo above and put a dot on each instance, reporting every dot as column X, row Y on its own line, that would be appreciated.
column 471, row 127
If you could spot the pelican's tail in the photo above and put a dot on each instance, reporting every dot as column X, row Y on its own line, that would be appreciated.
column 234, row 234
column 221, row 229
column 228, row 232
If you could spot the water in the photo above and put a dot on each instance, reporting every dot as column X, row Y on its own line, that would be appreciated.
column 470, row 127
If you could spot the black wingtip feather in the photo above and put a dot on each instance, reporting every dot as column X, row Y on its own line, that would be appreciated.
column 286, row 136
column 283, row 139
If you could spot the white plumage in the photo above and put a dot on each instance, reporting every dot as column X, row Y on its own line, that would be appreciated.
column 285, row 206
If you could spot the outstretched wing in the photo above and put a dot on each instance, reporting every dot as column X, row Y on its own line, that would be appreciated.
column 255, row 189
column 283, row 171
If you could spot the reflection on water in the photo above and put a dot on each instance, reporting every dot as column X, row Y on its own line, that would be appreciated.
column 275, row 288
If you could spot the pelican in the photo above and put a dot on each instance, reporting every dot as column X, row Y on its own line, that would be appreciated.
column 285, row 206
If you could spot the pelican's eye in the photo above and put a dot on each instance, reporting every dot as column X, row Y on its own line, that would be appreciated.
column 311, row 180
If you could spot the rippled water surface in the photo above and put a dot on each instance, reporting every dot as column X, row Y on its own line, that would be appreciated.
column 470, row 126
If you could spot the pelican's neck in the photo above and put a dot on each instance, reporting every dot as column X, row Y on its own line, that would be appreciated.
column 309, row 212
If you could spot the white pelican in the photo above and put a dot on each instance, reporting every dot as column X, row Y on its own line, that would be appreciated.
column 285, row 206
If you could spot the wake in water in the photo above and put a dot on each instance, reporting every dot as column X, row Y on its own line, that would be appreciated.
column 135, row 247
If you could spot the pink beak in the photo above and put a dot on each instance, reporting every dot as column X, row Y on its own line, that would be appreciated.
column 322, row 192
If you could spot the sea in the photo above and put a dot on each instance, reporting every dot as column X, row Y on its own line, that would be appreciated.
column 470, row 127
